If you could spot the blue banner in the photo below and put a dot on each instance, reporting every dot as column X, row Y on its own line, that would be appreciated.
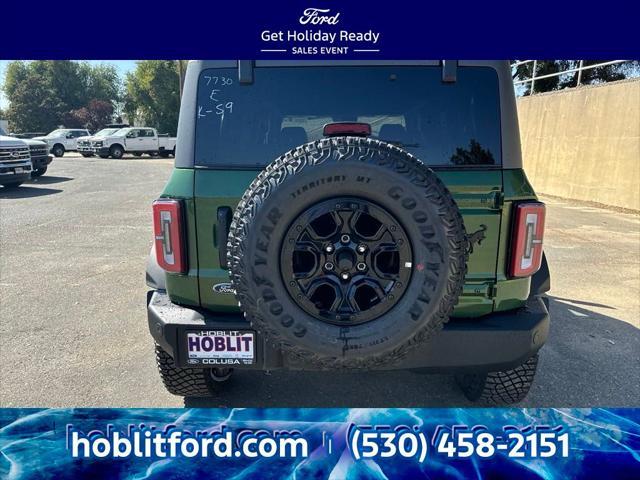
column 319, row 443
column 324, row 29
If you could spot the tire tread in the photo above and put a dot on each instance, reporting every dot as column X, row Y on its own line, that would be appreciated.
column 500, row 388
column 185, row 382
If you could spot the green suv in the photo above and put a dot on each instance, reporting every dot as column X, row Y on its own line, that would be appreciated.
column 349, row 215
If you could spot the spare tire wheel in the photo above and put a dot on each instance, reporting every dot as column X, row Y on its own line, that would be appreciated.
column 347, row 252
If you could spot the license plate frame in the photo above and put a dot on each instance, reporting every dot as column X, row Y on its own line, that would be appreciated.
column 212, row 347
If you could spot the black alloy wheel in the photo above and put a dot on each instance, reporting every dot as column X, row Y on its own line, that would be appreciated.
column 346, row 261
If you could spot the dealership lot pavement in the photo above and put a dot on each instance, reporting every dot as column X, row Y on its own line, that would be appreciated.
column 73, row 330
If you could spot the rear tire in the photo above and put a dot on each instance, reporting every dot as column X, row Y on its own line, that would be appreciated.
column 185, row 382
column 39, row 172
column 500, row 388
column 58, row 150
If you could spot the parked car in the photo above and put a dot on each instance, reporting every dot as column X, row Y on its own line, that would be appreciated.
column 135, row 140
column 63, row 140
column 330, row 232
column 15, row 161
column 84, row 144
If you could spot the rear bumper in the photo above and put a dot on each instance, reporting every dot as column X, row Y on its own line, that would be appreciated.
column 495, row 342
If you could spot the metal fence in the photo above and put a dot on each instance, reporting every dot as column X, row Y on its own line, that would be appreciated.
column 580, row 68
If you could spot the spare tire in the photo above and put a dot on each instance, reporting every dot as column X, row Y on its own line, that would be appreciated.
column 347, row 252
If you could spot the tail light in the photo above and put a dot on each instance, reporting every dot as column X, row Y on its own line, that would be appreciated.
column 169, row 235
column 526, row 244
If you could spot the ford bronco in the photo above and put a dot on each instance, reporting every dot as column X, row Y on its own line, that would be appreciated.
column 349, row 215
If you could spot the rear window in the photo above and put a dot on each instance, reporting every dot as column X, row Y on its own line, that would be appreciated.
column 444, row 124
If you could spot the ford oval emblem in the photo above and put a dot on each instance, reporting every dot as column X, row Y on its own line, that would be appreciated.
column 224, row 288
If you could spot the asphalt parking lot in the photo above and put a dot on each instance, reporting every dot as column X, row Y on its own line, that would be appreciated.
column 73, row 330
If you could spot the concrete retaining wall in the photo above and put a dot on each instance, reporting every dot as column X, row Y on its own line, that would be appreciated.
column 584, row 143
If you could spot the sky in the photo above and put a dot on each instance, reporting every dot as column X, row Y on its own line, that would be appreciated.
column 123, row 66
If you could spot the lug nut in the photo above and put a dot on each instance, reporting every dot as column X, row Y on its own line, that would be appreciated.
column 328, row 248
column 345, row 238
column 362, row 248
column 361, row 266
column 344, row 276
column 328, row 266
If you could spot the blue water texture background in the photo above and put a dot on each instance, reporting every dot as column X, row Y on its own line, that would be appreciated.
column 604, row 443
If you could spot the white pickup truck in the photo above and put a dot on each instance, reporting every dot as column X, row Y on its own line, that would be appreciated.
column 84, row 143
column 135, row 140
column 63, row 140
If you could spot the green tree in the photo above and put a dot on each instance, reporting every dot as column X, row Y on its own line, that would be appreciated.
column 543, row 67
column 153, row 95
column 102, row 83
column 32, row 105
column 94, row 116
column 607, row 73
column 42, row 93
